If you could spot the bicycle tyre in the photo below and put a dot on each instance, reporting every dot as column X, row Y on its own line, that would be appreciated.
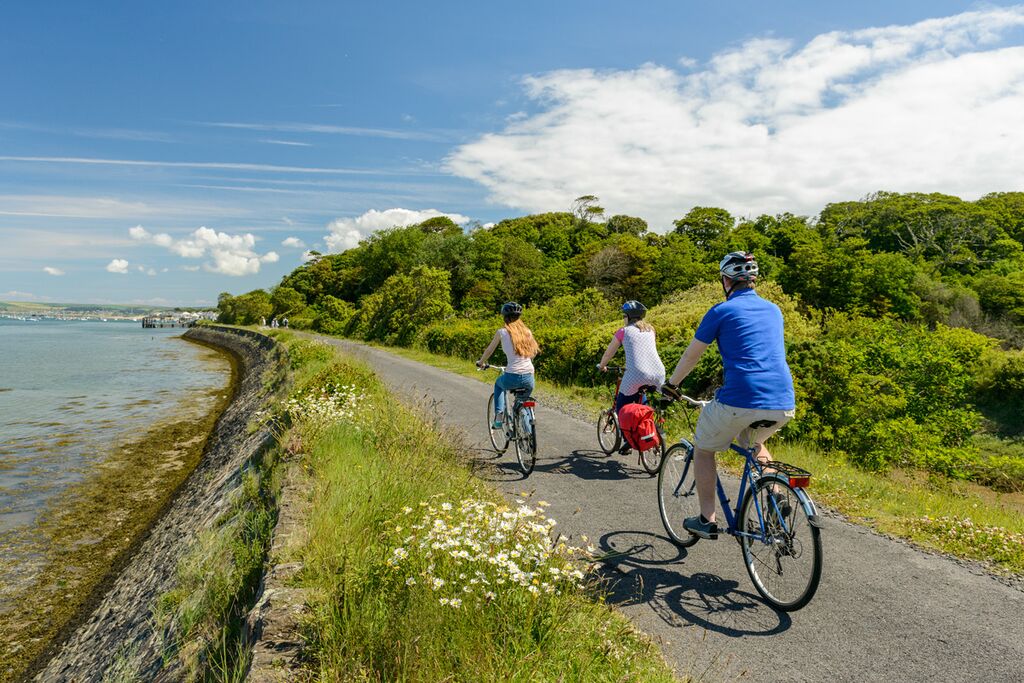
column 608, row 435
column 526, row 443
column 651, row 459
column 794, row 553
column 677, row 494
column 498, row 436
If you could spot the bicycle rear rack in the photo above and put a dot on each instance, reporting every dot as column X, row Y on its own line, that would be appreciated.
column 798, row 476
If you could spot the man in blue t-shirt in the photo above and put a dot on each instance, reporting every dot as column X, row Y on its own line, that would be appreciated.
column 758, row 386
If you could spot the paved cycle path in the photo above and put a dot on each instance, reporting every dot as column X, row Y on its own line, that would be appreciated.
column 884, row 611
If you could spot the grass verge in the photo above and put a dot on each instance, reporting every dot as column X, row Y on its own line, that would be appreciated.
column 419, row 572
column 953, row 517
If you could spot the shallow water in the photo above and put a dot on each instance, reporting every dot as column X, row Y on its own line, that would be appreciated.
column 70, row 393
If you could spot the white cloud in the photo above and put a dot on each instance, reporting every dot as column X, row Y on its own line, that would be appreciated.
column 308, row 256
column 293, row 243
column 771, row 126
column 15, row 295
column 190, row 269
column 118, row 265
column 345, row 233
column 224, row 165
column 287, row 143
column 229, row 254
column 326, row 129
column 50, row 270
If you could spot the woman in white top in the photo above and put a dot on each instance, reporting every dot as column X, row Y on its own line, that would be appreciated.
column 643, row 364
column 520, row 347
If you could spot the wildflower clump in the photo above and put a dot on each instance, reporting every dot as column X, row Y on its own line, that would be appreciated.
column 964, row 537
column 479, row 552
column 323, row 407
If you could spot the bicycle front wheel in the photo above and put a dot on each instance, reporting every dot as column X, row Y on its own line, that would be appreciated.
column 526, row 440
column 781, row 548
column 499, row 439
column 608, row 435
column 652, row 457
column 677, row 493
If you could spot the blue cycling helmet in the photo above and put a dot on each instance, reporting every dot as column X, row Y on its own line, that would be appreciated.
column 634, row 310
column 511, row 311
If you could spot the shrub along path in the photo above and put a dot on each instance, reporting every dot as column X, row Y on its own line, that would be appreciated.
column 884, row 609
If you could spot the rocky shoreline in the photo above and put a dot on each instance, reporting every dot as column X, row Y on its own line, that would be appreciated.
column 119, row 634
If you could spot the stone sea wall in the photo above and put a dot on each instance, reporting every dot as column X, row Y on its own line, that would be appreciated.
column 120, row 630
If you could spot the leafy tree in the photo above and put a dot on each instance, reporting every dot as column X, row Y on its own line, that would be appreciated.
column 287, row 302
column 586, row 210
column 703, row 225
column 627, row 225
column 333, row 315
column 681, row 265
column 442, row 225
column 403, row 305
column 520, row 264
column 245, row 309
column 1002, row 295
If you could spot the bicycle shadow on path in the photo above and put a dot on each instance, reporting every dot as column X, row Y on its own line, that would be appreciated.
column 641, row 567
column 581, row 463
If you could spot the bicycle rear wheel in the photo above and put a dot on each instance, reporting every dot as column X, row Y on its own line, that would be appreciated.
column 499, row 439
column 652, row 457
column 608, row 434
column 526, row 440
column 783, row 555
column 677, row 493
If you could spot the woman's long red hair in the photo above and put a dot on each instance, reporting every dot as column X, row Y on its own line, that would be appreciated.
column 522, row 339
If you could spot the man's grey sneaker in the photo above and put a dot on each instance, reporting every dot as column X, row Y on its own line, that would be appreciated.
column 698, row 527
column 498, row 422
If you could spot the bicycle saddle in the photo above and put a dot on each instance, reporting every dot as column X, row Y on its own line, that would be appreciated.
column 762, row 423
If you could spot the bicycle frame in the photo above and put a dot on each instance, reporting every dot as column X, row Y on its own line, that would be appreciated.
column 752, row 472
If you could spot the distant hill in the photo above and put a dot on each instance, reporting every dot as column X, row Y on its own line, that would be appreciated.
column 135, row 309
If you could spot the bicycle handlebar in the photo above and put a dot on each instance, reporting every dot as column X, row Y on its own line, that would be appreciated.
column 485, row 366
column 675, row 395
column 612, row 368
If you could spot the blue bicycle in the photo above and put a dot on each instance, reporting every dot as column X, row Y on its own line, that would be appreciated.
column 775, row 521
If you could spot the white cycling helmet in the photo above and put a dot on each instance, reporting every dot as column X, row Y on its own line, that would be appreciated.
column 739, row 266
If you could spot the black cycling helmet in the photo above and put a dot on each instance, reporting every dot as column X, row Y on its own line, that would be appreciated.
column 634, row 310
column 511, row 311
column 739, row 266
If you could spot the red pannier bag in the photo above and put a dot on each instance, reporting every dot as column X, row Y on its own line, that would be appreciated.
column 636, row 421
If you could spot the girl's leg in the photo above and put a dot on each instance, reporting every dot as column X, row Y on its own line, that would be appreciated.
column 499, row 395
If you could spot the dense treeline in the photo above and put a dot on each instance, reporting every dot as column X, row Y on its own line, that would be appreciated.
column 905, row 312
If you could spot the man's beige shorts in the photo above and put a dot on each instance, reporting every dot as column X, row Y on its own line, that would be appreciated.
column 719, row 424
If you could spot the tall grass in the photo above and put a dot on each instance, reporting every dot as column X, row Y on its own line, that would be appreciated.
column 377, row 613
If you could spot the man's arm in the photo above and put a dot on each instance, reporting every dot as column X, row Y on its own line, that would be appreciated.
column 687, row 362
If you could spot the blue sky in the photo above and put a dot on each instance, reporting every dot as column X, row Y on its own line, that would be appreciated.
column 165, row 152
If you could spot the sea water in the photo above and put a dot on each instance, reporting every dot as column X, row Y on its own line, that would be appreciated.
column 72, row 391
